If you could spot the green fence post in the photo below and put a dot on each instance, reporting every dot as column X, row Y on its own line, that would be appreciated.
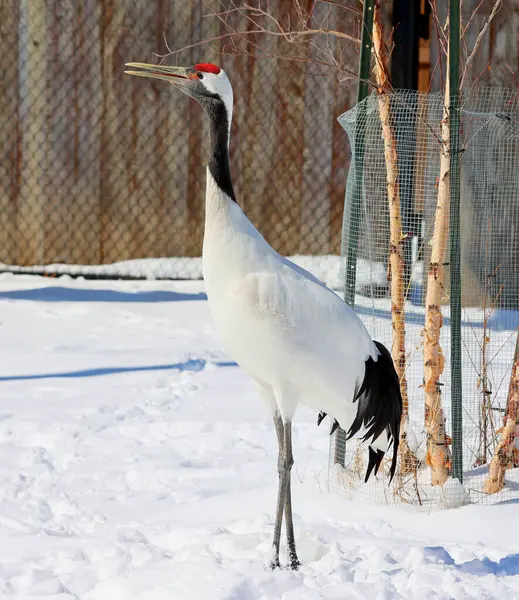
column 455, row 259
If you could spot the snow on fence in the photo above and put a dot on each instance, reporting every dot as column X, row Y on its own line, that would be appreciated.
column 490, row 291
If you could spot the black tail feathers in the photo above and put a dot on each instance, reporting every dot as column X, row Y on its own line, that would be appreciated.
column 379, row 408
column 374, row 461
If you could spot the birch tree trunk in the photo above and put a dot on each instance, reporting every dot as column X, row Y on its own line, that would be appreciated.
column 396, row 238
column 506, row 449
column 438, row 455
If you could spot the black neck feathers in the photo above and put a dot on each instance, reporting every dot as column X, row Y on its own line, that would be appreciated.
column 219, row 145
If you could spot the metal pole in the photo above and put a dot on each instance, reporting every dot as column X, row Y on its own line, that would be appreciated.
column 455, row 259
column 366, row 43
column 351, row 220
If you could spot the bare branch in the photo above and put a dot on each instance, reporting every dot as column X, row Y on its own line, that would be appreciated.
column 289, row 35
column 483, row 30
column 471, row 18
column 341, row 6
column 441, row 30
column 215, row 38
column 442, row 41
column 316, row 42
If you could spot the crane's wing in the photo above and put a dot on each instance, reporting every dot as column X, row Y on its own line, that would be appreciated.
column 304, row 313
column 302, row 272
column 314, row 349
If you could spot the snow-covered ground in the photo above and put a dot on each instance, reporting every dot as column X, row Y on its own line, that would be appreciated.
column 137, row 462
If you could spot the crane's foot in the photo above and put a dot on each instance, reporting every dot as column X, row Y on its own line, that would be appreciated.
column 293, row 561
column 274, row 564
column 293, row 564
column 273, row 559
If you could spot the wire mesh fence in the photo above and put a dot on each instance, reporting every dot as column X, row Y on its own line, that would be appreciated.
column 489, row 283
column 99, row 169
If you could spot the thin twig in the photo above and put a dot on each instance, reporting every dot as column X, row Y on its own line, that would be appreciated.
column 299, row 36
column 471, row 18
column 441, row 37
column 341, row 6
column 248, row 12
column 482, row 31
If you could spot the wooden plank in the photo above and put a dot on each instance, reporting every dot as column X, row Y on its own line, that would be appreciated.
column 84, row 202
column 197, row 135
column 171, row 236
column 325, row 151
column 141, row 173
column 33, row 122
column 344, row 97
column 71, row 195
column 116, row 198
column 59, row 136
column 9, row 131
column 286, row 175
column 253, row 135
column 317, row 162
column 156, row 166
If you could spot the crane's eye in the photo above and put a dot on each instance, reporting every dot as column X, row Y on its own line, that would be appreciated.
column 200, row 75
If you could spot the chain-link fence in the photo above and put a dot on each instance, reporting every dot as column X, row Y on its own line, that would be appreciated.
column 102, row 169
column 490, row 289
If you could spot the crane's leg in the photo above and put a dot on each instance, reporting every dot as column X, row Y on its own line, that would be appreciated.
column 293, row 561
column 280, row 432
column 284, row 502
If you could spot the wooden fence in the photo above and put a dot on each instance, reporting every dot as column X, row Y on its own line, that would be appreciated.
column 99, row 167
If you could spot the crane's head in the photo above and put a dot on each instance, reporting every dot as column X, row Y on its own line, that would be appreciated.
column 206, row 83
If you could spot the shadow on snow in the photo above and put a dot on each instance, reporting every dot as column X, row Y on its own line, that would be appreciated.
column 192, row 365
column 500, row 320
column 65, row 294
column 506, row 566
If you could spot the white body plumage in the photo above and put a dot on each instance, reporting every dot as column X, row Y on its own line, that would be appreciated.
column 295, row 337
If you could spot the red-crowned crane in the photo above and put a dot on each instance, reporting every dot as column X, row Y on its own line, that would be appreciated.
column 296, row 338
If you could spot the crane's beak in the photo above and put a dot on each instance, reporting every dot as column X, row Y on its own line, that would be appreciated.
column 176, row 75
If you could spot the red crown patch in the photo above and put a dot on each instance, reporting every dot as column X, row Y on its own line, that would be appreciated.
column 207, row 68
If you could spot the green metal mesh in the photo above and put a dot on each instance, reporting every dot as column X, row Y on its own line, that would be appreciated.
column 489, row 277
